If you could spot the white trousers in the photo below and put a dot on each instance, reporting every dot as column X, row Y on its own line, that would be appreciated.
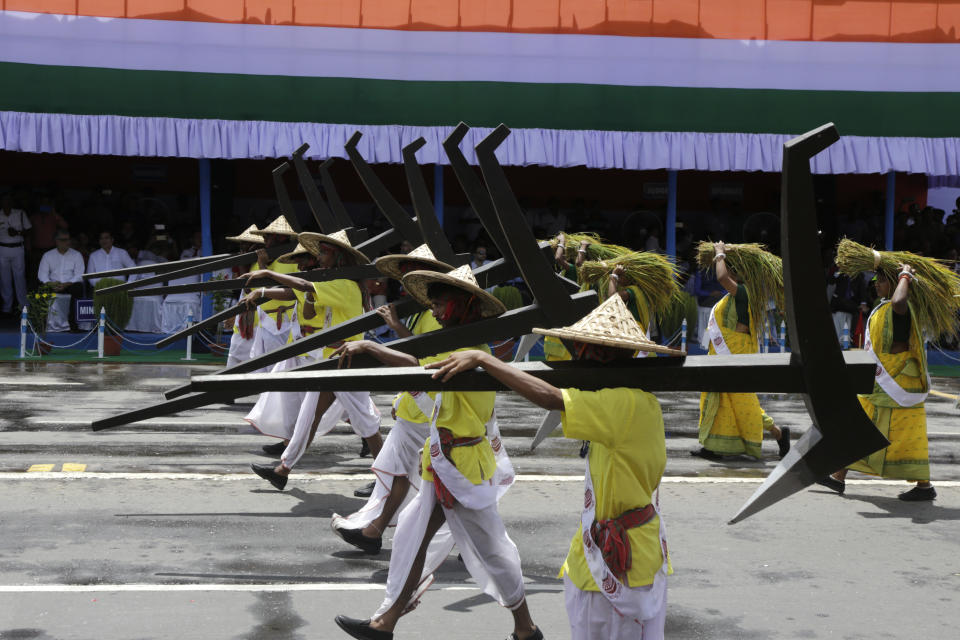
column 591, row 617
column 489, row 554
column 13, row 276
column 240, row 349
column 276, row 412
column 358, row 405
column 267, row 340
column 400, row 456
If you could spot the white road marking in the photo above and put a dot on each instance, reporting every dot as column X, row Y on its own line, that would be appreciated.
column 118, row 588
column 327, row 477
column 40, row 383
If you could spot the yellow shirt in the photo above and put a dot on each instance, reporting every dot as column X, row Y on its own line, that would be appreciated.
column 627, row 459
column 340, row 298
column 465, row 414
column 273, row 305
column 407, row 408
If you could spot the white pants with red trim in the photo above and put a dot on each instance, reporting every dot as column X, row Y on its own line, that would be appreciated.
column 400, row 456
column 592, row 616
column 357, row 405
column 270, row 338
column 489, row 554
column 240, row 349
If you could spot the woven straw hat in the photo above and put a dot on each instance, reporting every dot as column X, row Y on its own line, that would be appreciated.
column 390, row 265
column 279, row 227
column 612, row 325
column 311, row 242
column 291, row 258
column 247, row 236
column 417, row 282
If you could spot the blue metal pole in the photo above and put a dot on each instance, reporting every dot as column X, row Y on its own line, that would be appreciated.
column 438, row 191
column 891, row 197
column 671, row 212
column 207, row 237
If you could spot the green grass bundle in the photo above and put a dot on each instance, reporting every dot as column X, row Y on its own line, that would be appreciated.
column 509, row 296
column 654, row 274
column 597, row 249
column 759, row 270
column 932, row 292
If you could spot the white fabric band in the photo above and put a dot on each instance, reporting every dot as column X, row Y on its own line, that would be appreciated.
column 471, row 496
column 885, row 380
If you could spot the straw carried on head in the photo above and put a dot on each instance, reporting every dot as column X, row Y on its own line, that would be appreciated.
column 760, row 270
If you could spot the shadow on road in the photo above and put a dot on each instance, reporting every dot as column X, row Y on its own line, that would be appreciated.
column 917, row 513
column 311, row 505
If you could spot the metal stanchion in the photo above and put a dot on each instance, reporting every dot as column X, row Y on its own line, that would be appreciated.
column 683, row 336
column 783, row 336
column 845, row 339
column 189, row 355
column 23, row 333
column 100, row 332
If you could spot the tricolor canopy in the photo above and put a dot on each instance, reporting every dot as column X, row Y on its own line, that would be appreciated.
column 631, row 84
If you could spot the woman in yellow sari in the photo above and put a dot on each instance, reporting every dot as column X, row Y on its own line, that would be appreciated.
column 733, row 423
column 896, row 404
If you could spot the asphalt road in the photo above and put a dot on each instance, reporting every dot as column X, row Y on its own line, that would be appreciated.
column 166, row 534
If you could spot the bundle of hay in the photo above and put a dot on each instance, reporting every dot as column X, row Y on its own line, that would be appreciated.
column 597, row 249
column 932, row 293
column 760, row 270
column 655, row 275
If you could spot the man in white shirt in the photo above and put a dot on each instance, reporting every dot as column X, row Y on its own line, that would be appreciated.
column 195, row 248
column 63, row 269
column 108, row 257
column 13, row 269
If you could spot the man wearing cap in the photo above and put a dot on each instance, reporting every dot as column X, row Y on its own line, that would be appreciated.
column 396, row 467
column 457, row 483
column 275, row 318
column 244, row 325
column 615, row 573
column 321, row 305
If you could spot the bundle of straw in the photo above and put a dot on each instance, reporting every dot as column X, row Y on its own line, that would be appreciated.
column 597, row 249
column 655, row 275
column 760, row 270
column 932, row 293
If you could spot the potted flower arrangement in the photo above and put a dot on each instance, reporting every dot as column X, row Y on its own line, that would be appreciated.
column 38, row 307
column 118, row 306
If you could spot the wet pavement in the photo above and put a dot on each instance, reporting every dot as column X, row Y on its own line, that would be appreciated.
column 166, row 533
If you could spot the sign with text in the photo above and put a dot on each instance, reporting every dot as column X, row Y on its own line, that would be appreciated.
column 84, row 310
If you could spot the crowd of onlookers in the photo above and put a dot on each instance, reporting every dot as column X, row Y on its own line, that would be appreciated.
column 54, row 240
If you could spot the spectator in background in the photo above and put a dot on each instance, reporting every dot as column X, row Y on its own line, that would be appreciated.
column 128, row 238
column 62, row 268
column 708, row 292
column 196, row 246
column 81, row 242
column 108, row 257
column 13, row 269
column 46, row 224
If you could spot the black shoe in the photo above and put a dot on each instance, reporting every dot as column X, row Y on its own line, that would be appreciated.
column 365, row 491
column 537, row 635
column 784, row 442
column 266, row 472
column 919, row 494
column 706, row 454
column 364, row 448
column 356, row 538
column 275, row 449
column 361, row 629
column 833, row 484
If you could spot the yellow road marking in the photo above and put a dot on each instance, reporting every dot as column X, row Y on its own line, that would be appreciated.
column 73, row 466
column 41, row 467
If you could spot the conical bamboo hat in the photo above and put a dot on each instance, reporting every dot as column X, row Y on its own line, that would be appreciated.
column 390, row 265
column 247, row 236
column 279, row 227
column 311, row 242
column 612, row 325
column 417, row 282
column 291, row 258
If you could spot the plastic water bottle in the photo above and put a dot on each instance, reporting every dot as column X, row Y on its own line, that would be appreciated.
column 101, row 327
column 23, row 333
column 189, row 355
column 683, row 336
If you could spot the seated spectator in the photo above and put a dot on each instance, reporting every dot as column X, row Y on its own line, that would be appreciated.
column 63, row 269
column 196, row 246
column 108, row 257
